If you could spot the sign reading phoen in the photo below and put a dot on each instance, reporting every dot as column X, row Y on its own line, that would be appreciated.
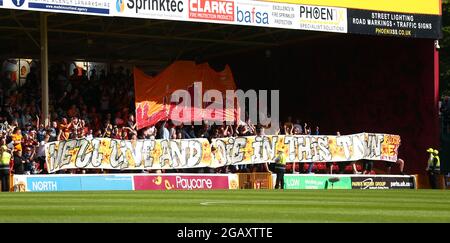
column 323, row 18
column 48, row 183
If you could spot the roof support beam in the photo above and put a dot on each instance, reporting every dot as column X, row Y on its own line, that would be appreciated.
column 141, row 36
column 22, row 28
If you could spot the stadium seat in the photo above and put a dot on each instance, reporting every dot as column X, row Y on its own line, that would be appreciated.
column 289, row 168
column 349, row 168
column 297, row 167
column 335, row 168
column 305, row 166
column 321, row 166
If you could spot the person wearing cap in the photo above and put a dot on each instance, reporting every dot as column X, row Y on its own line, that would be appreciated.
column 433, row 167
column 280, row 169
column 5, row 158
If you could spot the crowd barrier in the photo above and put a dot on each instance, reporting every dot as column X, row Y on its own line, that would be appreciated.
column 136, row 182
column 127, row 182
column 423, row 181
column 347, row 181
column 447, row 181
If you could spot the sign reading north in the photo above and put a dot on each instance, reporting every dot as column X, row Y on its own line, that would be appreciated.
column 49, row 183
column 319, row 18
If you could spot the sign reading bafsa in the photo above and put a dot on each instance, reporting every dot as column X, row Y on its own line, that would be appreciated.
column 211, row 10
column 252, row 15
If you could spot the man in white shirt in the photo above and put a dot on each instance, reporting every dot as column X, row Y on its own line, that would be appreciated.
column 40, row 153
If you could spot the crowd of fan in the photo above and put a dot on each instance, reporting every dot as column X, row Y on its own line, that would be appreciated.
column 99, row 106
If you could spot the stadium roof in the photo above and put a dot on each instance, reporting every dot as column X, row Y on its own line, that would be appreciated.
column 152, row 43
column 156, row 33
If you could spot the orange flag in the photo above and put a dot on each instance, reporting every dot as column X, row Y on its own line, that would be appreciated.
column 153, row 94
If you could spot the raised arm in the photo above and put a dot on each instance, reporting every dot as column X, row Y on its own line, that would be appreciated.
column 59, row 135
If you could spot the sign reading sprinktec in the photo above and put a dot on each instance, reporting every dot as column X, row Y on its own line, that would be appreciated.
column 161, row 5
